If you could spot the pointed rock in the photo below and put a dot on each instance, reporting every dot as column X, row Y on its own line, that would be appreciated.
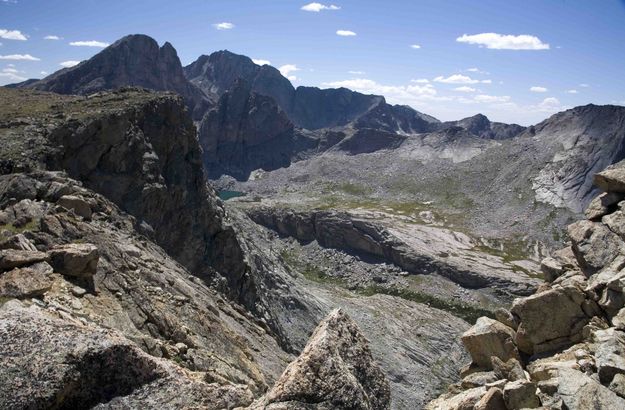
column 335, row 370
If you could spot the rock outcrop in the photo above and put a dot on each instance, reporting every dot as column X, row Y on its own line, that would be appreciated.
column 419, row 250
column 480, row 126
column 570, row 332
column 334, row 371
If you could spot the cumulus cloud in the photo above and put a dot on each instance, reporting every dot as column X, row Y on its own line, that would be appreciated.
column 504, row 41
column 12, row 35
column 287, row 69
column 420, row 81
column 465, row 89
column 44, row 73
column 317, row 7
column 260, row 61
column 10, row 75
column 17, row 57
column 415, row 46
column 538, row 89
column 91, row 43
column 456, row 79
column 345, row 33
column 223, row 26
column 68, row 64
column 572, row 92
column 52, row 38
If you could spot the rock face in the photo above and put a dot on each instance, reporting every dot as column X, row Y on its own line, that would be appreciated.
column 587, row 139
column 421, row 250
column 335, row 370
column 570, row 332
column 134, row 60
column 244, row 132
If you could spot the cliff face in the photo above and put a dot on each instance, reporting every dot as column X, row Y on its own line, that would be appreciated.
column 564, row 346
column 244, row 132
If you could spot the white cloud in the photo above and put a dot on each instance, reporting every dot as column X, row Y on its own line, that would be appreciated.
column 420, row 81
column 415, row 46
column 456, row 79
column 52, row 38
column 10, row 78
column 486, row 81
column 465, row 89
column 356, row 72
column 260, row 61
column 44, row 73
column 584, row 85
column 504, row 42
column 549, row 105
column 25, row 57
column 12, row 35
column 473, row 70
column 345, row 33
column 483, row 98
column 70, row 63
column 317, row 7
column 287, row 69
column 538, row 89
column 572, row 92
column 10, row 70
column 91, row 43
column 223, row 26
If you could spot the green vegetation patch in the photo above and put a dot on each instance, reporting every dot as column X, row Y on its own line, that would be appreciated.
column 465, row 311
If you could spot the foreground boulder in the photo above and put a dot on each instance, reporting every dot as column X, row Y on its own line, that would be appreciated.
column 75, row 259
column 570, row 333
column 335, row 371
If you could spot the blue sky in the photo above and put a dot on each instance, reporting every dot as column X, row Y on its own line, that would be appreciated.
column 573, row 51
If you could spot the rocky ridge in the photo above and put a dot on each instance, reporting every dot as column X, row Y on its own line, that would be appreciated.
column 564, row 346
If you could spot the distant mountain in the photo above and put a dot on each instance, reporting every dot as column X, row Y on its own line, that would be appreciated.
column 135, row 60
column 480, row 126
column 308, row 107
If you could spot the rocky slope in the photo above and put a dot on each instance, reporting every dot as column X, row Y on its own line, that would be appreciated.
column 564, row 346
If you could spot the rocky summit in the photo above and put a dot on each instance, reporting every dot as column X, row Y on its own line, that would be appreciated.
column 211, row 236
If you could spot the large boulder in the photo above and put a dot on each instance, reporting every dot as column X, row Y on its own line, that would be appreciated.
column 581, row 392
column 594, row 244
column 28, row 282
column 12, row 258
column 603, row 204
column 612, row 179
column 76, row 204
column 488, row 338
column 521, row 394
column 550, row 320
column 75, row 259
column 335, row 370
